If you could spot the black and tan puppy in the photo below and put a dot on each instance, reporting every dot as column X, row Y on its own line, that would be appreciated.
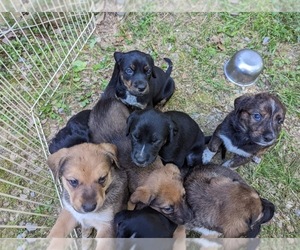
column 75, row 132
column 138, row 82
column 160, row 187
column 94, row 189
column 143, row 223
column 223, row 202
column 251, row 128
column 172, row 135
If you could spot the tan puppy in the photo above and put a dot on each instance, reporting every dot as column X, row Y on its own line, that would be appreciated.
column 94, row 189
column 222, row 201
column 160, row 187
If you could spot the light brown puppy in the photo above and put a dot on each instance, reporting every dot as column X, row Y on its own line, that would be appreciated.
column 94, row 189
column 160, row 187
column 222, row 201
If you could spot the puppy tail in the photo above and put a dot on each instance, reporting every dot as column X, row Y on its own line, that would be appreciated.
column 169, row 69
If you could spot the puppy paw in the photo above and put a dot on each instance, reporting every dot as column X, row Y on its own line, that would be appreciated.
column 207, row 156
column 256, row 159
column 227, row 164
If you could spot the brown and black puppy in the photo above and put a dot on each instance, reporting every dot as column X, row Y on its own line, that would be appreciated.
column 173, row 135
column 251, row 128
column 138, row 83
column 160, row 187
column 222, row 201
column 94, row 189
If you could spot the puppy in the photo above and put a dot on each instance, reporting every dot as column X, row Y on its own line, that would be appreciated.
column 75, row 132
column 138, row 82
column 143, row 223
column 94, row 189
column 161, row 188
column 251, row 128
column 172, row 135
column 222, row 201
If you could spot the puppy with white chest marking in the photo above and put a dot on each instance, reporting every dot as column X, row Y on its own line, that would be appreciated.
column 138, row 83
column 222, row 201
column 251, row 128
column 173, row 135
column 94, row 189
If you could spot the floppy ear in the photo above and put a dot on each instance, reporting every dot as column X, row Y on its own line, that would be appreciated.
column 111, row 151
column 268, row 210
column 56, row 161
column 172, row 131
column 142, row 194
column 240, row 102
column 129, row 122
column 118, row 57
column 151, row 62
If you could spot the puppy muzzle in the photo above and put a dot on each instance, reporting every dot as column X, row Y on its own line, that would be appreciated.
column 139, row 88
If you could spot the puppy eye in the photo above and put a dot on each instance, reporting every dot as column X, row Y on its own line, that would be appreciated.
column 102, row 179
column 257, row 117
column 136, row 137
column 154, row 140
column 74, row 183
column 280, row 121
column 168, row 210
column 129, row 71
column 148, row 72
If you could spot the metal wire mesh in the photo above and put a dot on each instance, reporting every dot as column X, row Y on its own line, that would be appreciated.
column 36, row 51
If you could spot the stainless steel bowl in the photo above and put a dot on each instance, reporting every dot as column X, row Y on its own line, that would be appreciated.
column 244, row 67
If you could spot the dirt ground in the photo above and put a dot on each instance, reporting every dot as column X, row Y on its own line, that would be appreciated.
column 203, row 92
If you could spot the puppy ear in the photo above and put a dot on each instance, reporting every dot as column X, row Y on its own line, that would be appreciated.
column 268, row 210
column 56, row 161
column 142, row 194
column 129, row 122
column 241, row 102
column 151, row 62
column 172, row 131
column 118, row 57
column 111, row 151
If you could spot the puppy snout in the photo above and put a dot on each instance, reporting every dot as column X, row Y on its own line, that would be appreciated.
column 141, row 86
column 268, row 137
column 185, row 216
column 140, row 159
column 89, row 206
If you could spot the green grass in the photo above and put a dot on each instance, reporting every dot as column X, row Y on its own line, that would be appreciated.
column 199, row 44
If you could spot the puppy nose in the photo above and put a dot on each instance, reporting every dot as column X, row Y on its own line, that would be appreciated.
column 188, row 216
column 269, row 137
column 140, row 159
column 141, row 86
column 89, row 207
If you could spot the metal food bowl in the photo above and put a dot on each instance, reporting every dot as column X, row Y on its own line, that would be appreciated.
column 244, row 67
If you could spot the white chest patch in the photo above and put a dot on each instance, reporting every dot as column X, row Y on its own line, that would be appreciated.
column 204, row 231
column 92, row 219
column 132, row 101
column 233, row 149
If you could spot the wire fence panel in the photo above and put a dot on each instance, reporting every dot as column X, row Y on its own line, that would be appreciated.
column 36, row 51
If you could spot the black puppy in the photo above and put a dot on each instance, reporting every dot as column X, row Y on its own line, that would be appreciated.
column 143, row 223
column 172, row 135
column 75, row 132
column 138, row 82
